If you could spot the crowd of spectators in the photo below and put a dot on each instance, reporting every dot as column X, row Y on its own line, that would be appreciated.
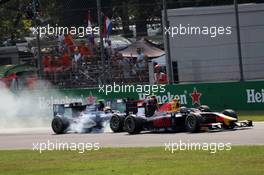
column 65, row 58
column 131, row 68
column 69, row 60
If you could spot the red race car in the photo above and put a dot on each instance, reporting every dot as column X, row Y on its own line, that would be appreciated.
column 147, row 115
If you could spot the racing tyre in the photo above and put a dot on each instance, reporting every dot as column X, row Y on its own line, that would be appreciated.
column 193, row 123
column 204, row 108
column 230, row 113
column 60, row 124
column 116, row 123
column 133, row 125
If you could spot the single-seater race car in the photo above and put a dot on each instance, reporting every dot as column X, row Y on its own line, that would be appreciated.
column 80, row 118
column 147, row 115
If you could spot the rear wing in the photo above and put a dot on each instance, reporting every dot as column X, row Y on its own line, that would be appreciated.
column 59, row 109
column 133, row 105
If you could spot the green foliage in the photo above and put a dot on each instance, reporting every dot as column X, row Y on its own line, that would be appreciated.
column 52, row 11
column 251, row 115
column 13, row 23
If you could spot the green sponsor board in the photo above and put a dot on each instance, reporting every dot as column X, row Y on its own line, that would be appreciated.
column 235, row 95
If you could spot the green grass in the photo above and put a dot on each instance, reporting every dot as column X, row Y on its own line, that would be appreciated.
column 241, row 160
column 251, row 115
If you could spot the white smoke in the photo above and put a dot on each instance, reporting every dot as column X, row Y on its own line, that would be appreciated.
column 21, row 110
column 83, row 124
column 33, row 109
column 86, row 123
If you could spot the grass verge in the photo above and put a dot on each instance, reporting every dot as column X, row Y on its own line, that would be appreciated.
column 251, row 115
column 241, row 160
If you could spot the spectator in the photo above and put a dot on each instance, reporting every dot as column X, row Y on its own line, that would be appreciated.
column 65, row 62
column 68, row 40
column 159, row 76
column 60, row 65
column 108, row 50
column 48, row 68
column 61, row 39
column 125, row 66
column 77, row 57
column 140, row 58
column 84, row 50
column 140, row 65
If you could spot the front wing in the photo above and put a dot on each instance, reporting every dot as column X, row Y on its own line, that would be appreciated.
column 216, row 126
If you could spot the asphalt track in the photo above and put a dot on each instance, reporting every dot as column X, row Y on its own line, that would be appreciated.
column 24, row 138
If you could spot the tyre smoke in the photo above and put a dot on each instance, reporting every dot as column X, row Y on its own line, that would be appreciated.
column 21, row 109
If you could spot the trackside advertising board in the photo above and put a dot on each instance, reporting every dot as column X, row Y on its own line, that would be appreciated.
column 235, row 95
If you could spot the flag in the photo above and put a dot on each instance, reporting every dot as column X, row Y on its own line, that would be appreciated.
column 89, row 24
column 69, row 42
column 107, row 27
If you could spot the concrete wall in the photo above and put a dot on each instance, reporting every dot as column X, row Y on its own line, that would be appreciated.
column 202, row 58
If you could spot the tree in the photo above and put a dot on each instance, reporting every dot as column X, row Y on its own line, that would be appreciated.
column 137, row 12
column 13, row 22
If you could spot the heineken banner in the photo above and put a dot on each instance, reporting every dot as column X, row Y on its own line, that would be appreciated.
column 235, row 95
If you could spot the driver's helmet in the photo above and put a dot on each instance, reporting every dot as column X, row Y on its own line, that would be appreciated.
column 107, row 109
column 100, row 105
column 153, row 96
column 100, row 101
column 152, row 100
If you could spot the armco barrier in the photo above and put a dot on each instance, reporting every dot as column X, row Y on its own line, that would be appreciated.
column 235, row 95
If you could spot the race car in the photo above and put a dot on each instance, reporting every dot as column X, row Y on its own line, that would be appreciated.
column 146, row 115
column 80, row 118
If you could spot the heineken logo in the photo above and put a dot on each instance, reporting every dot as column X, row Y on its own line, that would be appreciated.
column 195, row 95
column 47, row 102
column 167, row 97
column 254, row 96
